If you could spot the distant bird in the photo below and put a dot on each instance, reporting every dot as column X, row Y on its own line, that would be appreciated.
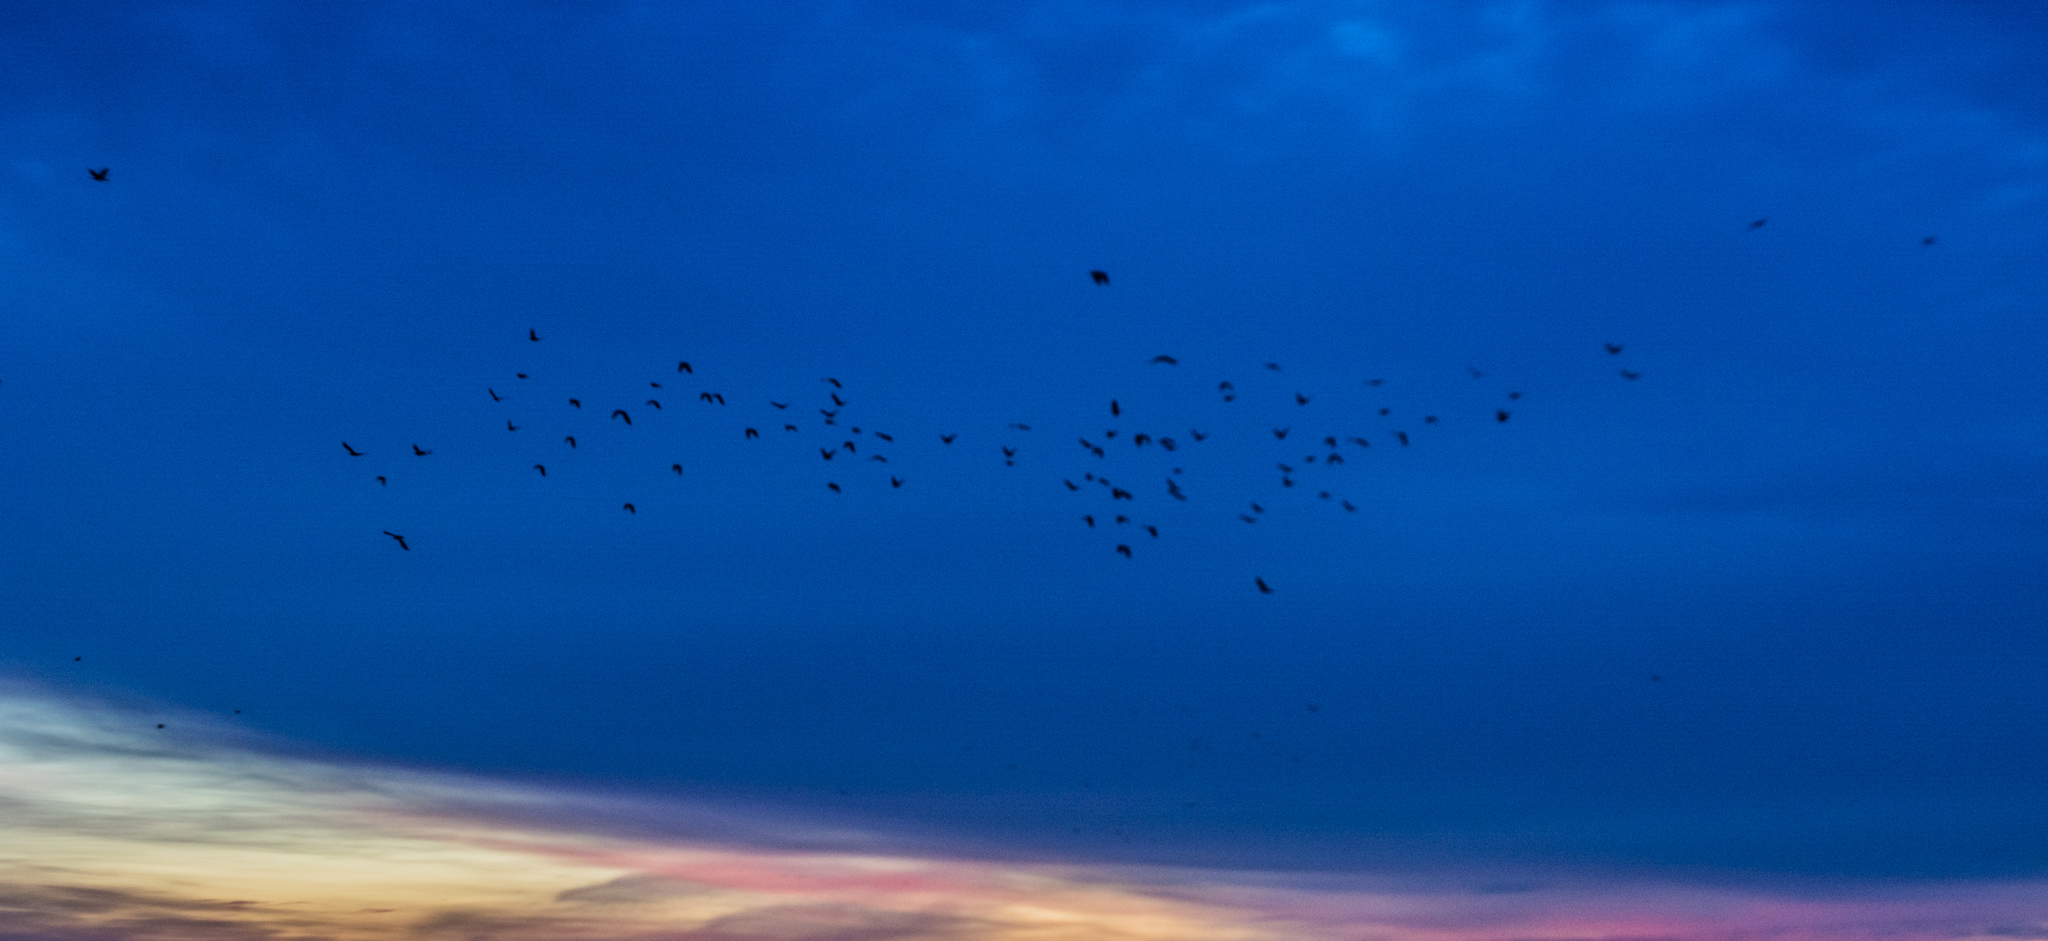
column 1247, row 519
column 1286, row 482
column 1273, row 366
column 621, row 413
column 1300, row 399
column 1168, row 360
column 1500, row 416
column 1115, row 409
column 1334, row 459
column 1020, row 426
column 1090, row 520
column 629, row 509
column 948, row 439
column 685, row 367
column 829, row 414
column 1140, row 439
column 657, row 405
column 1168, row 443
column 351, row 451
column 509, row 426
column 543, row 468
column 99, row 174
column 535, row 337
column 836, row 400
column 1758, row 224
column 1009, row 453
column 1071, row 485
column 495, row 397
column 1225, row 386
column 1512, row 396
column 1476, row 374
column 1385, row 411
column 1111, row 433
column 1374, row 382
column 1101, row 277
column 1929, row 240
column 834, row 487
column 778, row 404
column 751, row 433
column 1361, row 442
column 655, row 385
column 678, row 468
column 1154, row 530
column 1284, row 468
column 1613, row 349
column 827, row 453
column 1119, row 493
column 789, row 428
column 1264, row 588
column 895, row 482
column 1281, row 433
column 848, row 445
column 576, row 402
column 1122, row 519
column 1348, row 508
column 1124, row 551
column 520, row 375
column 419, row 452
column 571, row 439
column 1258, row 509
column 885, row 437
column 381, row 482
column 1631, row 376
column 401, row 545
column 1403, row 436
column 1197, row 435
column 1173, row 488
column 1330, row 441
column 1324, row 495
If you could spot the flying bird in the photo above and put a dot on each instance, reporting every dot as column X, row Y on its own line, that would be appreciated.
column 629, row 509
column 1154, row 530
column 848, row 445
column 621, row 413
column 1631, row 376
column 1374, row 382
column 1348, row 508
column 1168, row 443
column 655, row 385
column 1758, row 224
column 571, row 439
column 1168, row 360
column 948, row 439
column 1273, row 366
column 1020, row 426
column 1300, row 399
column 351, row 451
column 778, row 404
column 1613, row 349
column 1197, row 435
column 827, row 453
column 1361, row 442
column 509, row 426
column 1100, row 277
column 1174, row 488
column 495, row 397
column 1115, row 409
column 1500, row 416
column 1119, row 493
column 576, row 402
column 1512, row 396
column 657, row 405
column 1264, row 588
column 834, row 487
column 381, row 482
column 836, row 400
column 99, row 174
column 685, row 367
column 1281, row 433
column 895, row 482
column 1140, row 439
column 1071, row 485
column 1403, row 436
column 1929, row 240
column 520, row 375
column 419, row 452
column 788, row 427
column 535, row 337
column 1009, row 452
column 401, row 545
column 678, row 468
column 1247, row 519
column 1258, row 509
column 543, row 468
column 751, row 433
column 885, row 437
column 1090, row 520
column 1124, row 551
column 1386, row 411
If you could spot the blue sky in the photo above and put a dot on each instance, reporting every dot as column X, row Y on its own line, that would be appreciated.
column 1771, row 610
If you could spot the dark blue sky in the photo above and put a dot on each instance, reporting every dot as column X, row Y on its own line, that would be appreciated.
column 1773, row 608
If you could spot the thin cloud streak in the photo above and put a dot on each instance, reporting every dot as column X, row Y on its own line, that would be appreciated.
column 114, row 828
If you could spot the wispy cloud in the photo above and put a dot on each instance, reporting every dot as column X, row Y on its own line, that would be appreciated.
column 114, row 828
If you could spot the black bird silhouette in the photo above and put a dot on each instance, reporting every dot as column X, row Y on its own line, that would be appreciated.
column 1197, row 435
column 629, row 509
column 509, row 426
column 1258, row 509
column 827, row 453
column 789, row 428
column 1168, row 443
column 1140, row 439
column 1115, row 409
column 1929, row 240
column 621, row 413
column 99, row 174
column 1330, row 441
column 948, row 439
column 401, row 545
column 1758, row 224
column 1090, row 520
column 1429, row 419
column 1403, row 436
column 1286, row 482
column 381, row 482
column 1154, row 530
column 836, row 400
column 1071, row 485
column 351, row 451
column 1374, row 382
column 834, row 382
column 657, row 405
column 1247, row 519
column 1020, row 426
column 895, row 482
column 576, row 402
column 1124, row 551
column 655, row 385
column 419, row 452
column 535, row 337
column 1168, row 360
column 1631, row 376
column 1300, row 399
column 751, row 433
column 1273, row 366
column 829, row 413
column 885, row 437
column 1281, row 433
column 1361, row 442
column 1385, row 411
column 1500, row 416
column 1264, row 588
column 571, row 439
column 1119, row 493
column 835, row 487
column 718, row 397
column 678, row 468
column 1009, row 452
column 520, row 375
column 848, row 445
column 778, row 404
column 1100, row 277
column 1334, row 459
column 1174, row 489
column 1348, row 508
column 1225, row 386
column 1512, row 396
column 685, row 367
column 495, row 397
column 1284, row 468
column 1613, row 349
column 543, row 468
column 1111, row 433
column 1476, row 374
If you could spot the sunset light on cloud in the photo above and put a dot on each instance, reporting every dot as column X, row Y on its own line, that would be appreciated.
column 116, row 830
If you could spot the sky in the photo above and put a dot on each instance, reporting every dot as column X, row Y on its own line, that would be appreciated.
column 1678, row 565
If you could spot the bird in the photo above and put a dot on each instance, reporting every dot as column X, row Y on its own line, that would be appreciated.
column 895, row 482
column 495, row 397
column 1374, row 382
column 1168, row 443
column 778, row 404
column 885, row 437
column 351, row 451
column 1758, row 224
column 751, row 433
column 657, row 405
column 420, row 452
column 1286, row 482
column 827, row 453
column 834, row 487
column 850, row 449
column 1348, row 508
column 788, row 427
column 1300, row 399
column 828, row 413
column 1281, row 433
column 543, row 468
column 834, row 382
column 948, row 439
column 653, row 384
column 621, row 413
column 1631, row 376
column 1258, row 509
column 1225, row 386
column 99, row 174
column 1386, row 411
column 1115, row 409
column 629, row 509
column 1119, row 493
column 1197, row 435
column 1071, row 485
column 1929, row 240
column 1090, row 520
column 381, row 482
column 678, row 468
column 1264, row 588
column 1476, row 374
column 1101, row 277
column 1174, row 489
column 509, row 426
column 1009, row 452
column 1403, row 436
column 520, row 375
column 1140, row 439
column 1124, row 550
column 576, row 402
column 1334, row 459
column 1154, row 530
column 836, row 400
column 685, row 367
column 1020, row 426
column 401, row 545
column 1613, row 349
column 571, row 439
column 535, row 337
column 1111, row 433
column 1330, row 441
column 1512, row 396
column 1168, row 360
column 1500, row 416
column 1361, row 442
column 1275, row 367
column 1284, row 468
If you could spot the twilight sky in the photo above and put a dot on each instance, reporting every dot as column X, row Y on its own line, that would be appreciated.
column 1768, row 613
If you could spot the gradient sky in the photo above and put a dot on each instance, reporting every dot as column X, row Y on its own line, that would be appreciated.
column 1769, row 614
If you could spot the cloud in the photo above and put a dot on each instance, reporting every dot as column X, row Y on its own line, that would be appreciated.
column 118, row 830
